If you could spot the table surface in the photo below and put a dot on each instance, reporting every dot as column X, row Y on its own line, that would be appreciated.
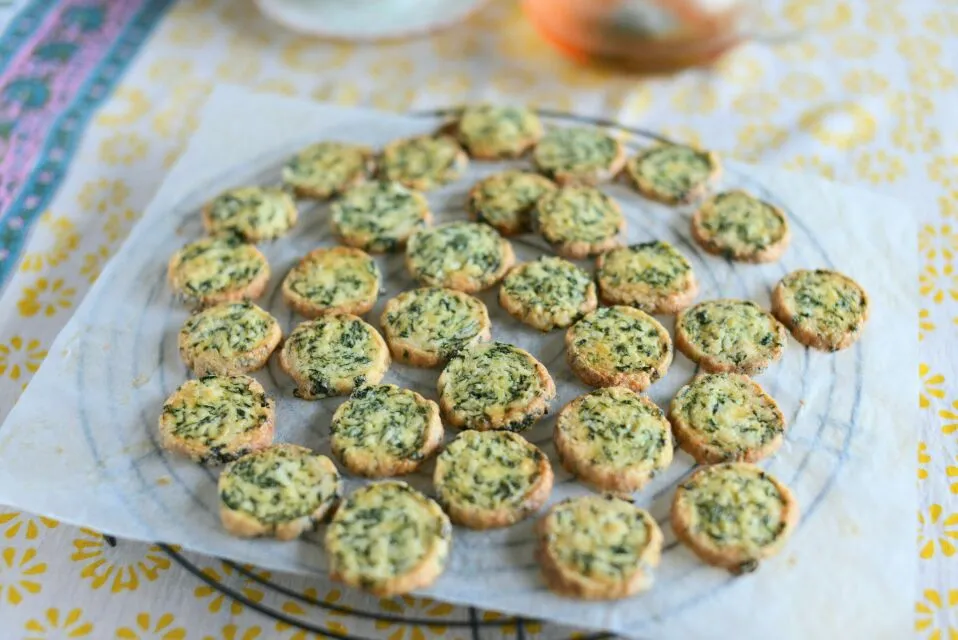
column 97, row 99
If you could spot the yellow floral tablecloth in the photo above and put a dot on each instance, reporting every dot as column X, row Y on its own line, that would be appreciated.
column 869, row 95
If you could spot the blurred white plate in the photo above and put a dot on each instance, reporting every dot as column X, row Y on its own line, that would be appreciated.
column 367, row 19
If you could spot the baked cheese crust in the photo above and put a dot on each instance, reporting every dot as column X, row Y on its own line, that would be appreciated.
column 254, row 213
column 505, row 200
column 578, row 221
column 823, row 309
column 490, row 132
column 228, row 339
column 278, row 492
column 672, row 173
column 333, row 280
column 379, row 216
column 325, row 169
column 423, row 162
column 652, row 276
column 467, row 256
column 548, row 293
column 579, row 155
column 740, row 227
column 220, row 269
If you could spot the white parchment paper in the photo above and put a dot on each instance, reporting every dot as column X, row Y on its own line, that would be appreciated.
column 81, row 443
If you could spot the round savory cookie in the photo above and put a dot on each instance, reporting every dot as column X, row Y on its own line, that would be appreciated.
column 598, row 548
column 673, row 173
column 578, row 221
column 726, row 417
column 332, row 280
column 494, row 385
column 424, row 327
column 490, row 132
column 579, row 155
column 613, row 439
column 383, row 430
column 254, row 213
column 733, row 515
column 216, row 419
column 333, row 355
column 740, row 227
column 467, row 256
column 423, row 162
column 220, row 269
column 228, row 339
column 823, row 309
column 618, row 346
column 379, row 216
column 388, row 539
column 548, row 293
column 490, row 479
column 325, row 169
column 505, row 200
column 652, row 276
column 278, row 492
column 730, row 336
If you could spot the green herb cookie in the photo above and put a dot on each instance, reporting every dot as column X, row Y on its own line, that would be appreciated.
column 505, row 200
column 726, row 417
column 466, row 256
column 618, row 346
column 579, row 155
column 494, row 385
column 733, row 515
column 215, row 419
column 730, row 336
column 334, row 280
column 423, row 162
column 382, row 430
column 220, row 269
column 254, row 213
column 424, row 327
column 823, row 309
column 379, row 216
column 489, row 479
column 388, row 539
column 673, row 174
column 613, row 439
column 333, row 355
column 491, row 132
column 598, row 548
column 228, row 339
column 325, row 169
column 578, row 221
column 278, row 492
column 548, row 293
column 740, row 227
column 652, row 276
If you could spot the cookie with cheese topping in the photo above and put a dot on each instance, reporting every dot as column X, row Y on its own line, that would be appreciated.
column 216, row 419
column 379, row 216
column 333, row 355
column 579, row 155
column 388, row 539
column 219, row 269
column 548, row 293
column 254, row 213
column 726, row 417
column 424, row 327
column 278, row 492
column 491, row 132
column 423, row 162
column 466, row 256
column 730, row 336
column 618, row 346
column 494, row 385
column 332, row 280
column 652, row 276
column 490, row 479
column 578, row 221
column 382, row 430
column 598, row 548
column 325, row 169
column 733, row 515
column 505, row 200
column 741, row 227
column 228, row 339
column 673, row 173
column 613, row 439
column 823, row 309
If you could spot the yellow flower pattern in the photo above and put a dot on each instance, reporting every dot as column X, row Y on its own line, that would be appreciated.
column 294, row 608
column 119, row 566
column 128, row 105
column 250, row 588
column 234, row 632
column 57, row 624
column 46, row 297
column 935, row 283
column 123, row 149
column 936, row 532
column 923, row 460
column 58, row 239
column 925, row 324
column 811, row 164
column 15, row 524
column 931, row 386
column 147, row 627
column 879, row 167
column 418, row 607
column 19, row 575
column 839, row 125
column 103, row 195
column 932, row 614
column 19, row 358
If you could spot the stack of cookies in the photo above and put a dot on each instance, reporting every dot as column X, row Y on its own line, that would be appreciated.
column 389, row 538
